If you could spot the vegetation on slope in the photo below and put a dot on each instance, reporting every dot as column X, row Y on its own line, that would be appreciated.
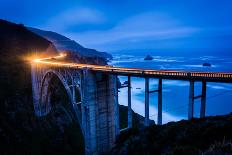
column 137, row 120
column 211, row 136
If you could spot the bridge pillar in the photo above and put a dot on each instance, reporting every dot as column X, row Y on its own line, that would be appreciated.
column 203, row 99
column 73, row 91
column 36, row 77
column 117, row 117
column 191, row 100
column 89, row 110
column 129, row 118
column 100, row 99
column 35, row 89
column 160, row 102
column 146, row 122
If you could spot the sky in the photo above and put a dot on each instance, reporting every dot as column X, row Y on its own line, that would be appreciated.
column 108, row 25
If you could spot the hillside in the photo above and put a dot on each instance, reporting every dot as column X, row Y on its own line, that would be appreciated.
column 63, row 43
column 16, row 44
column 137, row 120
column 21, row 132
column 206, row 136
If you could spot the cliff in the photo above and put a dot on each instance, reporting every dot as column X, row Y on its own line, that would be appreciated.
column 205, row 136
column 137, row 120
column 20, row 131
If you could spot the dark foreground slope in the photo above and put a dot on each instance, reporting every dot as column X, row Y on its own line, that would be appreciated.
column 20, row 131
column 137, row 120
column 16, row 42
column 209, row 136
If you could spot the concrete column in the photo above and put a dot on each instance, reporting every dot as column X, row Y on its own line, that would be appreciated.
column 129, row 119
column 117, row 117
column 203, row 99
column 160, row 102
column 73, row 92
column 146, row 122
column 35, row 90
column 90, row 103
column 191, row 100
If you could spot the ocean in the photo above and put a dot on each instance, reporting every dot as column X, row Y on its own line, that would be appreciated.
column 175, row 93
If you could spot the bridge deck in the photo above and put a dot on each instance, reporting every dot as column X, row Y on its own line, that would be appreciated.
column 225, row 77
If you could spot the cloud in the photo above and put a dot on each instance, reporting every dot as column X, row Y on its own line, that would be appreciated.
column 74, row 17
column 135, row 29
column 220, row 87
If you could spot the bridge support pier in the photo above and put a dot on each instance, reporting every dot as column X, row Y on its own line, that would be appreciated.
column 191, row 100
column 117, row 117
column 146, row 122
column 203, row 99
column 100, row 99
column 147, row 92
column 129, row 118
column 159, row 121
column 73, row 91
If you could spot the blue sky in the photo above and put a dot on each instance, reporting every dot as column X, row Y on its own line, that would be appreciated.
column 130, row 24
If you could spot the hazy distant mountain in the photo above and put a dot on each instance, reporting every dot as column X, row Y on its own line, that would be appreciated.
column 63, row 43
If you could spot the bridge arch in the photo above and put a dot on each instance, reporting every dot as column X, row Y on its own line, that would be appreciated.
column 96, row 91
column 72, row 86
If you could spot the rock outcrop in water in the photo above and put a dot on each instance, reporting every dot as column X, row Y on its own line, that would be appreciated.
column 206, row 64
column 148, row 57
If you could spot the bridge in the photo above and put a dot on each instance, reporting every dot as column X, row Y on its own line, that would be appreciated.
column 93, row 95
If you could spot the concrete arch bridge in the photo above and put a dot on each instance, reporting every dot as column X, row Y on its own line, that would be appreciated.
column 93, row 94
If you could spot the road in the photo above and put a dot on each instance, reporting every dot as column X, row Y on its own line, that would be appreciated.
column 164, row 74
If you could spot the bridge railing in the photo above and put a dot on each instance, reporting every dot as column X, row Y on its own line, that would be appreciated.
column 143, row 72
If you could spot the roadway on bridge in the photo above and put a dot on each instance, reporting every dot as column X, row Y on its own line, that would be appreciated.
column 58, row 61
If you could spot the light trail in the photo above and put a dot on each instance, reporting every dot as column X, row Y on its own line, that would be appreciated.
column 168, row 74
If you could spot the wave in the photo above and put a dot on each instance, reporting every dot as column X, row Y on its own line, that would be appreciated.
column 130, row 58
column 219, row 87
column 138, row 107
column 199, row 66
column 175, row 83
column 166, row 60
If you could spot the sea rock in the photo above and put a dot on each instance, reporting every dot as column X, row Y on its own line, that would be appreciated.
column 148, row 57
column 206, row 64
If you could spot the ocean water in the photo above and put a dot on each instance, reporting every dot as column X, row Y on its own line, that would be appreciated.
column 176, row 93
